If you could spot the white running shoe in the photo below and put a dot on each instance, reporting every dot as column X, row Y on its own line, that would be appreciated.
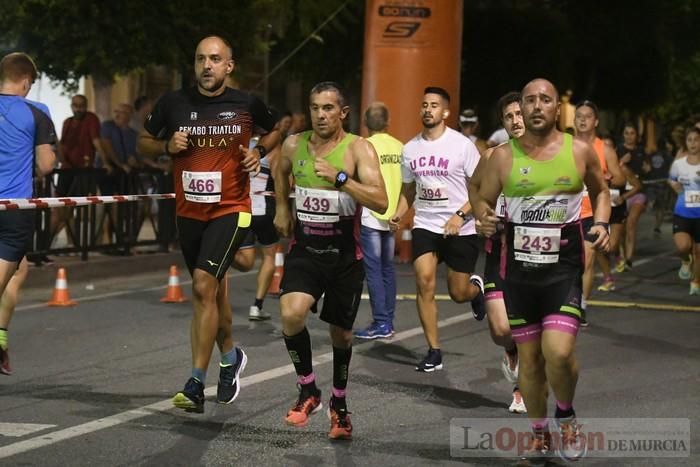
column 510, row 366
column 256, row 314
column 684, row 272
column 518, row 405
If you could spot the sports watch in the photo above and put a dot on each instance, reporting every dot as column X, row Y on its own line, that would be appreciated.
column 341, row 179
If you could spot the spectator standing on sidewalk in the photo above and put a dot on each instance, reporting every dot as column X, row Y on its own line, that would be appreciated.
column 376, row 237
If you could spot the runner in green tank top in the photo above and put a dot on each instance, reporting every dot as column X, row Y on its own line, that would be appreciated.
column 335, row 173
column 542, row 176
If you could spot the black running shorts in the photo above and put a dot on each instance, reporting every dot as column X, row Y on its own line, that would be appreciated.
column 339, row 276
column 618, row 214
column 211, row 245
column 262, row 230
column 529, row 303
column 16, row 230
column 459, row 252
column 687, row 225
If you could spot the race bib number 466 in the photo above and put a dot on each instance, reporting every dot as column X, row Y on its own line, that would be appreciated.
column 537, row 245
column 315, row 205
column 202, row 187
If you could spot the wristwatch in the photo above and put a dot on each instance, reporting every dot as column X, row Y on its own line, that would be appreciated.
column 462, row 214
column 261, row 150
column 341, row 179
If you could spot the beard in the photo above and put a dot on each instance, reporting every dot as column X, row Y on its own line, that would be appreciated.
column 430, row 123
column 210, row 84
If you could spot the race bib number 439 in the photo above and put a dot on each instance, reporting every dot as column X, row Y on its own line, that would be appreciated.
column 202, row 187
column 537, row 245
column 320, row 206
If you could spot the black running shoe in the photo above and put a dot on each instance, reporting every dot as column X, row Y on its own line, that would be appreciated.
column 191, row 399
column 431, row 362
column 478, row 303
column 229, row 379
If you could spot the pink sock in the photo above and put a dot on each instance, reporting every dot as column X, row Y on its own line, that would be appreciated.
column 539, row 425
column 564, row 406
column 310, row 378
column 338, row 393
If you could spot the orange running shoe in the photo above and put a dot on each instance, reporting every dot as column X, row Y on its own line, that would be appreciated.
column 307, row 405
column 341, row 428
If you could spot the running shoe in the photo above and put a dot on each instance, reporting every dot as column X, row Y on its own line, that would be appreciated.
column 608, row 285
column 230, row 378
column 510, row 366
column 478, row 303
column 538, row 451
column 694, row 288
column 518, row 405
column 583, row 322
column 571, row 445
column 191, row 399
column 621, row 265
column 341, row 428
column 376, row 331
column 431, row 362
column 684, row 272
column 256, row 314
column 5, row 368
column 306, row 405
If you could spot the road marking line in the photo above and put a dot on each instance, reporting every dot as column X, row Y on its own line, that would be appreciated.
column 15, row 430
column 119, row 293
column 644, row 306
column 65, row 434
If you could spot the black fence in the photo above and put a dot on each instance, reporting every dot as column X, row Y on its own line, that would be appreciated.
column 113, row 228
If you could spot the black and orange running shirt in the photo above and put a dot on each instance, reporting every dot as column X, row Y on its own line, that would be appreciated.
column 210, row 180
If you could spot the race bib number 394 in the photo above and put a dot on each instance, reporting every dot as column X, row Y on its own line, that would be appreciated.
column 202, row 187
column 319, row 206
column 537, row 245
column 433, row 196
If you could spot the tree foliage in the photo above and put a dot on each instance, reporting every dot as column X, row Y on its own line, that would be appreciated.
column 70, row 39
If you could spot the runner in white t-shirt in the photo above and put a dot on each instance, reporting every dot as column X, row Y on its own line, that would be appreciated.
column 436, row 168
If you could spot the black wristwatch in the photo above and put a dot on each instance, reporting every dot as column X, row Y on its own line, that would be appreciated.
column 261, row 150
column 603, row 224
column 341, row 179
column 462, row 214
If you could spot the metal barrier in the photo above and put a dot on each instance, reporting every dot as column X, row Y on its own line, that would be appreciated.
column 103, row 227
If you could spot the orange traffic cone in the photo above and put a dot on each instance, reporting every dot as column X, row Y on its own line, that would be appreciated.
column 279, row 272
column 174, row 293
column 61, row 297
column 405, row 240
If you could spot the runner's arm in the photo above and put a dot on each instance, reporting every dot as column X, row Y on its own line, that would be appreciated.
column 367, row 187
column 45, row 158
column 149, row 145
column 618, row 177
column 594, row 180
column 632, row 180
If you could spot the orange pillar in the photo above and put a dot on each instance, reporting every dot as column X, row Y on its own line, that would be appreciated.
column 406, row 49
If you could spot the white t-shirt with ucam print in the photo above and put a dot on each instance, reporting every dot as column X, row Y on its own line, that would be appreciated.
column 441, row 170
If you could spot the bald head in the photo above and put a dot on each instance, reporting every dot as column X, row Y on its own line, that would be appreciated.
column 377, row 117
column 540, row 84
column 213, row 62
column 219, row 43
column 540, row 106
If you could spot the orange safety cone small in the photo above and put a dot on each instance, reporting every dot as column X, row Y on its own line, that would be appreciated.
column 61, row 297
column 174, row 293
column 405, row 252
column 274, row 288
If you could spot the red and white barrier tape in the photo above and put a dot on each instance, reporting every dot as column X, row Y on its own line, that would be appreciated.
column 40, row 203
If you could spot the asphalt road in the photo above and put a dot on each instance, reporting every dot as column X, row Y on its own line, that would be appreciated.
column 92, row 383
